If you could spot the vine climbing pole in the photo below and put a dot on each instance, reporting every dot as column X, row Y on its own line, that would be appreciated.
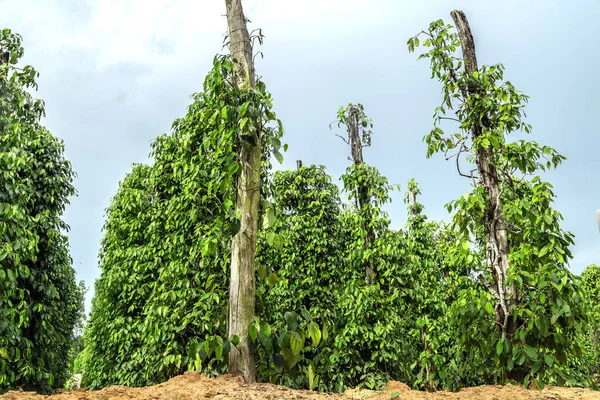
column 412, row 199
column 362, row 191
column 496, row 239
column 243, row 247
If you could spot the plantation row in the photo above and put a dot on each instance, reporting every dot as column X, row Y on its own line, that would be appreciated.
column 212, row 262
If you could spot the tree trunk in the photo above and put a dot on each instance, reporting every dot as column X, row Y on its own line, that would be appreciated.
column 497, row 249
column 412, row 199
column 362, row 194
column 243, row 247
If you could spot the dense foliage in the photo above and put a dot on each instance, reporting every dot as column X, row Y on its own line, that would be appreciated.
column 40, row 302
column 342, row 299
column 161, row 298
column 590, row 280
column 424, row 318
column 537, row 338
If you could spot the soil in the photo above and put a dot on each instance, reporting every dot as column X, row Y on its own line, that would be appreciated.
column 192, row 385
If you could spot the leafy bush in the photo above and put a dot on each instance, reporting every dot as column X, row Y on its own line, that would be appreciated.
column 524, row 322
column 590, row 281
column 160, row 304
column 342, row 299
column 299, row 269
column 40, row 302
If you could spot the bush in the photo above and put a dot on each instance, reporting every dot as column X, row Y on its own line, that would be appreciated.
column 40, row 302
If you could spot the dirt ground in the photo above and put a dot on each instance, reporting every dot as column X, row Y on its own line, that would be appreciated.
column 195, row 386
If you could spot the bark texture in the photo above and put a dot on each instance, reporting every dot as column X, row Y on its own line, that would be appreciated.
column 4, row 59
column 241, row 289
column 362, row 193
column 412, row 199
column 497, row 248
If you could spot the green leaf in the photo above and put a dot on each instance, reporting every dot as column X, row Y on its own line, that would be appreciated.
column 253, row 332
column 266, row 329
column 290, row 358
column 531, row 352
column 272, row 279
column 305, row 314
column 244, row 108
column 315, row 333
column 510, row 364
column 278, row 156
column 275, row 142
column 291, row 319
column 262, row 273
column 556, row 316
column 235, row 340
column 269, row 218
column 296, row 342
column 499, row 346
column 311, row 377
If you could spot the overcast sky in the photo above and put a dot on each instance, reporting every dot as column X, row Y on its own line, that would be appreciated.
column 116, row 73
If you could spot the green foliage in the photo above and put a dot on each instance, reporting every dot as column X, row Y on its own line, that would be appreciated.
column 590, row 281
column 299, row 269
column 40, row 302
column 549, row 310
column 432, row 283
column 343, row 300
column 161, row 299
column 369, row 336
column 365, row 124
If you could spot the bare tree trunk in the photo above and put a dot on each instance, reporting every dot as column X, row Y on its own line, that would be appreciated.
column 243, row 247
column 354, row 134
column 497, row 248
column 362, row 194
column 412, row 199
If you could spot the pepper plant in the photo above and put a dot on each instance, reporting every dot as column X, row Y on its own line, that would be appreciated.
column 532, row 307
column 40, row 302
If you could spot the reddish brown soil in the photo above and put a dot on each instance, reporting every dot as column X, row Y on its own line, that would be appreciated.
column 195, row 386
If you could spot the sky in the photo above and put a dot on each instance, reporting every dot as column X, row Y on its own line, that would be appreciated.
column 116, row 73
